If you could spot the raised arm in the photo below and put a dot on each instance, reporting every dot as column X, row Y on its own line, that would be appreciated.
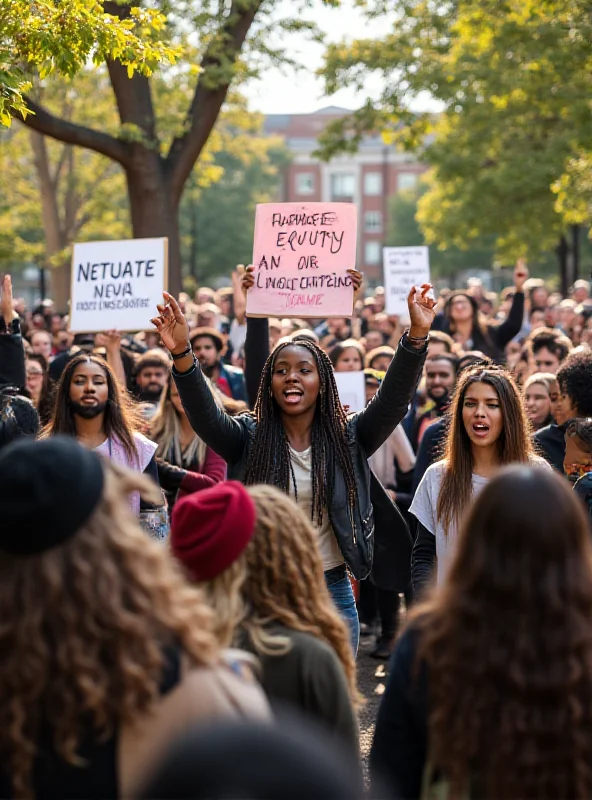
column 12, row 354
column 505, row 331
column 390, row 404
column 256, row 343
column 222, row 433
column 111, row 340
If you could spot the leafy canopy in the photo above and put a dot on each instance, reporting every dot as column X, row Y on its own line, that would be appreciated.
column 46, row 36
column 510, row 145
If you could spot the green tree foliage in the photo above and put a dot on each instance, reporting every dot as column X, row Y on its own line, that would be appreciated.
column 56, row 194
column 218, row 43
column 217, row 221
column 404, row 230
column 511, row 148
column 51, row 35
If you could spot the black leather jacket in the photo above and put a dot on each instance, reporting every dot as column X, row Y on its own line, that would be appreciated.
column 231, row 438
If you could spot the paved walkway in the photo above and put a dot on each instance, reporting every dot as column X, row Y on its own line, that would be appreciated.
column 371, row 682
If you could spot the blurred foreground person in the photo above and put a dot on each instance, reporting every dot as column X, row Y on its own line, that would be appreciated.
column 494, row 670
column 108, row 653
column 255, row 554
column 291, row 762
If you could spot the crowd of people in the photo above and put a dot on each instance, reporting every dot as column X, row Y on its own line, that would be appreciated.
column 197, row 533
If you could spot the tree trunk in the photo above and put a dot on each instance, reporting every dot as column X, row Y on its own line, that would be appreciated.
column 54, row 241
column 562, row 256
column 154, row 213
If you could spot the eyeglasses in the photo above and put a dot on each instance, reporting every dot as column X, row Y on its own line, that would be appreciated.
column 34, row 373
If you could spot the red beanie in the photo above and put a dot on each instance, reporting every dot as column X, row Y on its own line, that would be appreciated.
column 211, row 528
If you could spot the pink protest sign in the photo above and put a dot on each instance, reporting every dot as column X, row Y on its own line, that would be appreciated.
column 301, row 255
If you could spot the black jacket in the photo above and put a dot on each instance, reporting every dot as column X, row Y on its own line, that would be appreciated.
column 231, row 438
column 12, row 355
column 550, row 441
column 400, row 746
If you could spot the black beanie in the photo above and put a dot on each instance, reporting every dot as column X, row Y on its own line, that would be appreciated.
column 48, row 490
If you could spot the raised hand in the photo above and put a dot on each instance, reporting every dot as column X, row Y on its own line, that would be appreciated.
column 6, row 304
column 357, row 279
column 421, row 311
column 110, row 340
column 248, row 279
column 521, row 274
column 171, row 325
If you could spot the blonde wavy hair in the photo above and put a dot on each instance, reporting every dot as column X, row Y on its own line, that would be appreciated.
column 84, row 629
column 279, row 579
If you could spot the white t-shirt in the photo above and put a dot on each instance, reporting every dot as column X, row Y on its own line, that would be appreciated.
column 424, row 507
column 302, row 466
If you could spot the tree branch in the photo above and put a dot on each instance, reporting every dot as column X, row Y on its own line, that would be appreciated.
column 70, row 133
column 207, row 100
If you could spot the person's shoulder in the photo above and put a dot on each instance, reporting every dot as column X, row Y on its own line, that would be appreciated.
column 306, row 645
column 539, row 461
column 140, row 439
column 435, row 472
column 548, row 431
column 233, row 370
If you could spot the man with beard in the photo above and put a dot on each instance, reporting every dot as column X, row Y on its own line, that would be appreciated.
column 440, row 376
column 152, row 374
column 207, row 346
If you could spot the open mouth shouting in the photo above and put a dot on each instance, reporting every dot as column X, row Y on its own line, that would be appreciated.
column 292, row 395
column 480, row 429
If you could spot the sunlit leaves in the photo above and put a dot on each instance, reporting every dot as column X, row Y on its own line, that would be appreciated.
column 511, row 152
column 53, row 36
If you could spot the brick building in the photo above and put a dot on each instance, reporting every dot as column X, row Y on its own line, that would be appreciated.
column 368, row 178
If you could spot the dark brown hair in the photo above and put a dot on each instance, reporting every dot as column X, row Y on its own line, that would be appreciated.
column 507, row 643
column 514, row 443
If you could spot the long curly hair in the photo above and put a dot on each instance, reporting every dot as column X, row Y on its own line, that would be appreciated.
column 507, row 644
column 122, row 416
column 269, row 456
column 279, row 578
column 514, row 444
column 84, row 630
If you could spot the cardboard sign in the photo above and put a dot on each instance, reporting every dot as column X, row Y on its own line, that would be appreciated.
column 404, row 267
column 301, row 254
column 116, row 285
column 352, row 390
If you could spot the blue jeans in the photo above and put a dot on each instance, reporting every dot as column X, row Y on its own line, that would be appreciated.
column 343, row 597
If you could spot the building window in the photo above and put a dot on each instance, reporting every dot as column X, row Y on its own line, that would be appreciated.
column 343, row 186
column 372, row 252
column 373, row 222
column 407, row 180
column 373, row 184
column 305, row 183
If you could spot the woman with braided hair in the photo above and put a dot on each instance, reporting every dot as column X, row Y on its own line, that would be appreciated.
column 299, row 439
column 255, row 555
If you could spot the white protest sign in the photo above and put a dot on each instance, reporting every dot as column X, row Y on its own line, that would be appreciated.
column 352, row 390
column 301, row 254
column 404, row 267
column 116, row 285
